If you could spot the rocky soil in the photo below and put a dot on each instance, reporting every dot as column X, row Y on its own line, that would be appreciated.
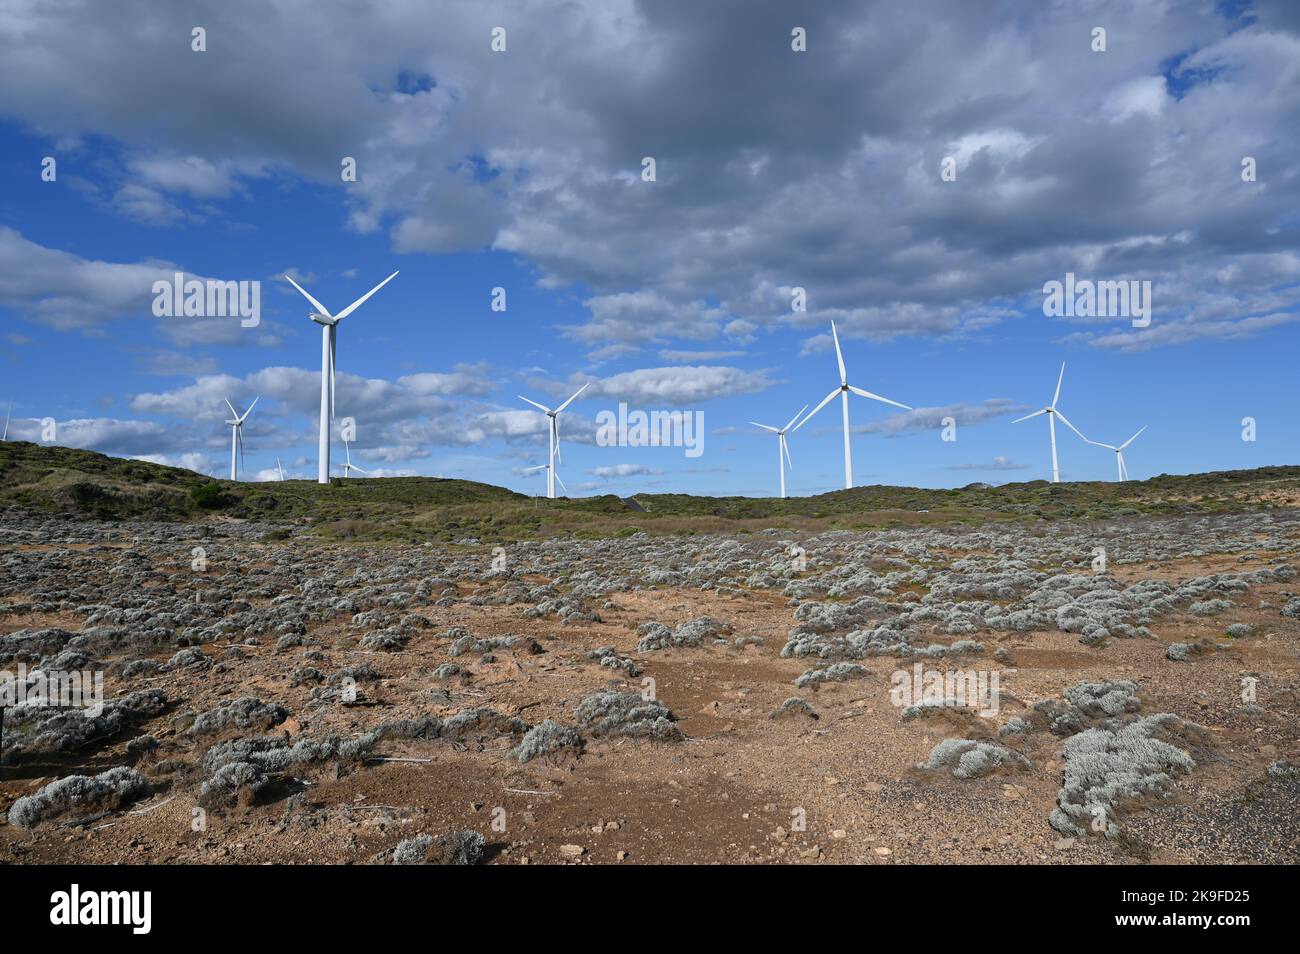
column 706, row 698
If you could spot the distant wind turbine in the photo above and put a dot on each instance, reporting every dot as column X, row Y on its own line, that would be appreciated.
column 329, row 340
column 843, row 391
column 349, row 466
column 7, row 413
column 1119, row 451
column 1053, row 413
column 237, row 434
column 782, row 448
column 555, row 435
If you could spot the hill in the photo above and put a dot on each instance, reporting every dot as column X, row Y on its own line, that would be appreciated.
column 91, row 485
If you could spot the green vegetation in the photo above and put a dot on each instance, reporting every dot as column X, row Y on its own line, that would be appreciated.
column 63, row 480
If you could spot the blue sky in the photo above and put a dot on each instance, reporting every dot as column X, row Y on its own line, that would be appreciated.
column 775, row 169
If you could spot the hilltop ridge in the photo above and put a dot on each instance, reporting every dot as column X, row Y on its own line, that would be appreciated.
column 87, row 484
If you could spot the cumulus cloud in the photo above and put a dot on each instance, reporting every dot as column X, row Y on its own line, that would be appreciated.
column 997, row 463
column 624, row 470
column 70, row 293
column 678, row 386
column 827, row 178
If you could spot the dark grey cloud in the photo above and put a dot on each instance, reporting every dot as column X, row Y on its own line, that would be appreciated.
column 775, row 169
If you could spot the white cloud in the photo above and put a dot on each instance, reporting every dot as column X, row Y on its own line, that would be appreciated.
column 678, row 385
column 624, row 470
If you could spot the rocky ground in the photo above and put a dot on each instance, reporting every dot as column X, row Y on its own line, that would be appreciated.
column 656, row 698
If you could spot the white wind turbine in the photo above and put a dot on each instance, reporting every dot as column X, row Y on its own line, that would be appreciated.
column 782, row 448
column 843, row 391
column 555, row 436
column 1119, row 451
column 329, row 339
column 237, row 434
column 1053, row 412
column 547, row 468
column 349, row 466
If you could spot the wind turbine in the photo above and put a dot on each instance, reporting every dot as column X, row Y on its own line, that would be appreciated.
column 843, row 391
column 547, row 468
column 555, row 436
column 349, row 466
column 7, row 413
column 237, row 434
column 1053, row 413
column 1119, row 451
column 782, row 448
column 329, row 339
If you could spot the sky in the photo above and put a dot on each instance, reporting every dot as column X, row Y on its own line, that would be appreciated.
column 920, row 170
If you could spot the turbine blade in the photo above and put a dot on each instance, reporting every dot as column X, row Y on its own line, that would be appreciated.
column 876, row 397
column 560, row 480
column 826, row 400
column 250, row 408
column 1100, row 444
column 1066, row 421
column 769, row 427
column 1028, row 416
column 844, row 375
column 555, row 430
column 1056, row 397
column 1133, row 438
column 540, row 407
column 785, row 446
column 233, row 412
column 793, row 419
column 362, row 300
column 570, row 400
column 305, row 294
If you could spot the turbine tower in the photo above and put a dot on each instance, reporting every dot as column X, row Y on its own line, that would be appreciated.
column 1053, row 412
column 555, row 435
column 1119, row 451
column 329, row 339
column 782, row 448
column 843, row 391
column 349, row 466
column 547, row 468
column 237, row 434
